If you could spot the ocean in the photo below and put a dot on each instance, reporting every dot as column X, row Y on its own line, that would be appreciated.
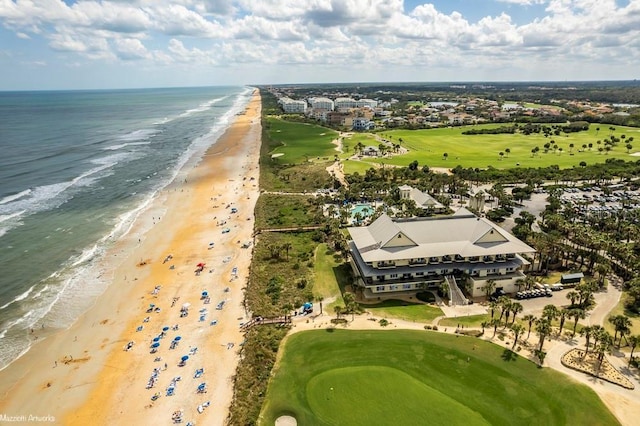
column 76, row 169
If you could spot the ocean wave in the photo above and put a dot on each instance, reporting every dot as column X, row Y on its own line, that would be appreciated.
column 124, row 145
column 13, row 197
column 18, row 298
column 47, row 197
column 138, row 135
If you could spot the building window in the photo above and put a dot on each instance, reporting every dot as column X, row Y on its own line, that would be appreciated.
column 380, row 288
column 406, row 286
column 419, row 274
column 394, row 275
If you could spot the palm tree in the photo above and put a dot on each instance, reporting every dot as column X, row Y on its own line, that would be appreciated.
column 550, row 312
column 543, row 328
column 587, row 332
column 484, row 325
column 489, row 287
column 621, row 324
column 350, row 304
column 505, row 304
column 495, row 323
column 577, row 314
column 492, row 308
column 634, row 341
column 563, row 314
column 530, row 319
column 507, row 151
column 516, row 308
column 573, row 296
column 338, row 310
column 445, row 155
column 319, row 299
column 604, row 345
column 517, row 329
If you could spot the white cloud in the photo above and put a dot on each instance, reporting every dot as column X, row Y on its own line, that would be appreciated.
column 130, row 49
column 347, row 34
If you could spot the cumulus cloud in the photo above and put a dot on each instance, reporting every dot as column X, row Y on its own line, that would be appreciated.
column 347, row 33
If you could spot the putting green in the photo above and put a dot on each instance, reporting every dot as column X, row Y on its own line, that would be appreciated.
column 406, row 377
column 334, row 392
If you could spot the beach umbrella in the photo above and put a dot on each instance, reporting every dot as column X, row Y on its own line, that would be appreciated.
column 177, row 338
column 211, row 243
column 155, row 339
column 165, row 328
column 155, row 345
column 151, row 305
column 200, row 265
column 184, row 358
column 205, row 294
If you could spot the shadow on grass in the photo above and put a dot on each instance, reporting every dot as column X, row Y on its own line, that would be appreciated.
column 508, row 355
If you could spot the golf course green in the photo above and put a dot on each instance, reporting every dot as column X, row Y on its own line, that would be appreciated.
column 403, row 377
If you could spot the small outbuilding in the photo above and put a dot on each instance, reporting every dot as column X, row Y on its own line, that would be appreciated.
column 571, row 279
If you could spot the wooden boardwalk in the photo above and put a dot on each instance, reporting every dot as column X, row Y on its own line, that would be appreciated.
column 262, row 321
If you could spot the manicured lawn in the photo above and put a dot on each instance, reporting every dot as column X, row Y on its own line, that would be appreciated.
column 325, row 281
column 404, row 377
column 404, row 310
column 301, row 141
column 468, row 321
column 428, row 147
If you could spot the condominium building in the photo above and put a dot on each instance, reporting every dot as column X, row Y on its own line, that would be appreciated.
column 321, row 104
column 292, row 106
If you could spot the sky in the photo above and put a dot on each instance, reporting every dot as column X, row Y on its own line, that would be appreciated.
column 94, row 44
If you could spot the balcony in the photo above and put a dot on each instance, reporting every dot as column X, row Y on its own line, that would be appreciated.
column 447, row 259
column 434, row 260
column 418, row 262
column 501, row 258
column 458, row 258
column 474, row 259
column 386, row 265
column 487, row 259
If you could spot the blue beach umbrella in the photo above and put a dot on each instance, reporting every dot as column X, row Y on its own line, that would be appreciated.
column 184, row 358
column 155, row 339
column 165, row 328
column 155, row 345
column 177, row 338
column 204, row 293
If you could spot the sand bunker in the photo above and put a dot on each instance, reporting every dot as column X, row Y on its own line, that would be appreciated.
column 286, row 421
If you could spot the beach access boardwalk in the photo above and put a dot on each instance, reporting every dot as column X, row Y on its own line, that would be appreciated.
column 290, row 229
column 285, row 319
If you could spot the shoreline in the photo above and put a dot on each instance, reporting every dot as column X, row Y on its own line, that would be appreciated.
column 83, row 373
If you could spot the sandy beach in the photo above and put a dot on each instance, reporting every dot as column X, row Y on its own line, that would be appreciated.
column 85, row 375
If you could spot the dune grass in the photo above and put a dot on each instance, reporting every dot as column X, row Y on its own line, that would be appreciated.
column 428, row 147
column 330, row 377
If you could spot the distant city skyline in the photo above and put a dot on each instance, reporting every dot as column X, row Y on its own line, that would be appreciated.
column 93, row 44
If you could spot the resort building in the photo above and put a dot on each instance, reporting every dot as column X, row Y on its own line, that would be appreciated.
column 342, row 104
column 422, row 199
column 292, row 106
column 321, row 104
column 403, row 256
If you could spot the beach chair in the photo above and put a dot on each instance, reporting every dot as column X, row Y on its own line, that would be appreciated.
column 170, row 390
column 202, row 388
column 198, row 373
